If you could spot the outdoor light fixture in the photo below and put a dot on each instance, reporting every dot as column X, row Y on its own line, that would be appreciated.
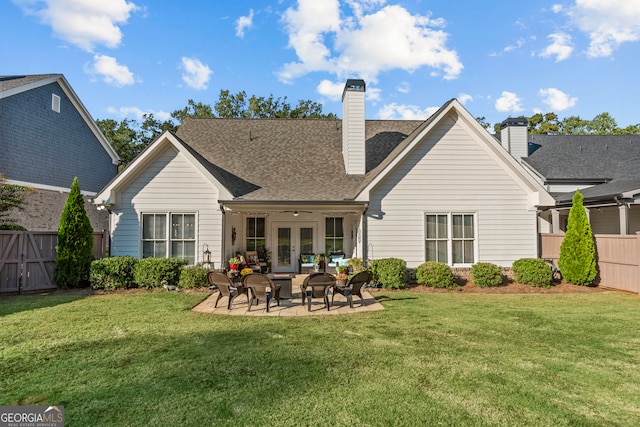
column 206, row 255
column 295, row 213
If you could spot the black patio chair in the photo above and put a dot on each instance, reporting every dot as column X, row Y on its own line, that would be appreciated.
column 225, row 287
column 317, row 285
column 353, row 287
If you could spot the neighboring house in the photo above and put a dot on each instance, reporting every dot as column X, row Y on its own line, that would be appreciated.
column 47, row 138
column 605, row 168
column 442, row 189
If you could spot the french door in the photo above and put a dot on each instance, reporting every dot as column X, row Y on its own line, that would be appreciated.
column 290, row 240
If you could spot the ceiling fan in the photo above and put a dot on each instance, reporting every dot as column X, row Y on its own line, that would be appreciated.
column 296, row 213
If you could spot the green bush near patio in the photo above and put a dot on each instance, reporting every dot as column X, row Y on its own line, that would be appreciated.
column 391, row 273
column 193, row 276
column 113, row 273
column 532, row 271
column 486, row 274
column 151, row 272
column 435, row 274
column 147, row 359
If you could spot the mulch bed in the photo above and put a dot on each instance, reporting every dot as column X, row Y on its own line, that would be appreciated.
column 507, row 288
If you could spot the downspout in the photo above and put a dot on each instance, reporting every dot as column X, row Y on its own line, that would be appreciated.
column 365, row 244
column 221, row 261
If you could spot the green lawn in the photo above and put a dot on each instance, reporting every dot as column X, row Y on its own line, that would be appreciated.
column 427, row 359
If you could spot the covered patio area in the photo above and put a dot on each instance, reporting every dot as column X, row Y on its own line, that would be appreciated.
column 289, row 307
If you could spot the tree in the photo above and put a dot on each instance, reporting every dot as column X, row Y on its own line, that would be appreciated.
column 574, row 125
column 603, row 124
column 11, row 197
column 193, row 109
column 74, row 251
column 577, row 252
column 547, row 124
column 129, row 138
column 239, row 106
column 483, row 122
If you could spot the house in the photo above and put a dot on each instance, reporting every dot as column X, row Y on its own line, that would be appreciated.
column 441, row 189
column 605, row 168
column 47, row 138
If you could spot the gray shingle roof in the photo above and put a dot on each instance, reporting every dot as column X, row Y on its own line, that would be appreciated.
column 287, row 159
column 612, row 159
column 12, row 82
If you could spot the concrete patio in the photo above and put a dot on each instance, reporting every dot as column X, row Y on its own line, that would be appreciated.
column 289, row 307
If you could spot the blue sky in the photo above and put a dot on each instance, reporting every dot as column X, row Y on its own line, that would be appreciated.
column 499, row 58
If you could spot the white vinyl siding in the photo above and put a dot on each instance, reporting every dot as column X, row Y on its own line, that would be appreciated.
column 167, row 183
column 451, row 171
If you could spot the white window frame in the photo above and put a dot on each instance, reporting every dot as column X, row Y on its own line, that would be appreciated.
column 450, row 238
column 168, row 239
column 55, row 103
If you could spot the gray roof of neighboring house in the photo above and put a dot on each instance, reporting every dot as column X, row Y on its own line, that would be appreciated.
column 287, row 159
column 612, row 159
column 12, row 82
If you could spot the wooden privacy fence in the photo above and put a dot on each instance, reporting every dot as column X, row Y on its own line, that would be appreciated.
column 618, row 258
column 27, row 259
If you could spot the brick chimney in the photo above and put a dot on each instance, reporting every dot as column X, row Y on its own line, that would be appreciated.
column 514, row 137
column 353, row 147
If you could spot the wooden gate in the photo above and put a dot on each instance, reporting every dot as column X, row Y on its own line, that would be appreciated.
column 27, row 259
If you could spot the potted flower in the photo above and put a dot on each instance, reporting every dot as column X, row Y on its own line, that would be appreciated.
column 234, row 262
column 341, row 275
column 317, row 262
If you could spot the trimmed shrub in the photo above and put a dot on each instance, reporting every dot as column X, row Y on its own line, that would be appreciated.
column 435, row 274
column 391, row 273
column 486, row 274
column 10, row 226
column 577, row 252
column 532, row 271
column 194, row 276
column 74, row 251
column 113, row 273
column 150, row 272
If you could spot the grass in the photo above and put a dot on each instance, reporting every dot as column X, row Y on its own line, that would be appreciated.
column 427, row 359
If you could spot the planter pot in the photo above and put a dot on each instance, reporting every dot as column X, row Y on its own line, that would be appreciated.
column 341, row 282
column 234, row 266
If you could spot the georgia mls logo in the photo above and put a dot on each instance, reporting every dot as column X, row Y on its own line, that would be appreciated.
column 31, row 416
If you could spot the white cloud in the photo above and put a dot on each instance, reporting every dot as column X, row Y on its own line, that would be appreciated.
column 243, row 23
column 557, row 8
column 367, row 43
column 137, row 113
column 509, row 102
column 85, row 23
column 464, row 98
column 196, row 74
column 404, row 87
column 330, row 89
column 557, row 100
column 405, row 112
column 606, row 23
column 560, row 47
column 518, row 45
column 110, row 71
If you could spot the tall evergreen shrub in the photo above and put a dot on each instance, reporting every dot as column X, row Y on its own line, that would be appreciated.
column 577, row 253
column 74, row 252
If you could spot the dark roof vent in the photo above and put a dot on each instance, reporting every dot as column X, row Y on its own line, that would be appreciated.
column 514, row 121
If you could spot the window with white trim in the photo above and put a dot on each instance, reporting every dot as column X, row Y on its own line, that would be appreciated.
column 255, row 230
column 450, row 238
column 175, row 238
column 55, row 103
column 334, row 235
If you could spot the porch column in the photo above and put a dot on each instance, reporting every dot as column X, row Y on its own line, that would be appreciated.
column 555, row 221
column 588, row 214
column 624, row 218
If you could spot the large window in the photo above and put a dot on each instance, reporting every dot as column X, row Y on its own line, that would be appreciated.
column 334, row 235
column 450, row 238
column 255, row 234
column 160, row 241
